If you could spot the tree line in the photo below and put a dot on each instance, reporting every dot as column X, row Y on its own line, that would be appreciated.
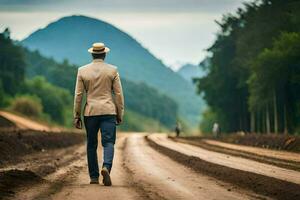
column 33, row 96
column 253, row 70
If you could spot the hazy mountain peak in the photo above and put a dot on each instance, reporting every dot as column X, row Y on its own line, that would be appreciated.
column 190, row 71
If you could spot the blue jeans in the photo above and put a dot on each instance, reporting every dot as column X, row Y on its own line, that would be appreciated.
column 107, row 126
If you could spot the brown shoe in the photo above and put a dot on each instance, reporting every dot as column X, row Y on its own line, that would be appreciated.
column 106, row 176
column 94, row 181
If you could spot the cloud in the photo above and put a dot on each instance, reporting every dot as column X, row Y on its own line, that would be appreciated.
column 214, row 6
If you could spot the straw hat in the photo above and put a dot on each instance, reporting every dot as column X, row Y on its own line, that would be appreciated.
column 98, row 48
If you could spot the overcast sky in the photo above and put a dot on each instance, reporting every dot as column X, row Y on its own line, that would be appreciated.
column 175, row 31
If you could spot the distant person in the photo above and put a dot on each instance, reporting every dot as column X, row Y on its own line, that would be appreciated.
column 103, row 110
column 177, row 129
column 216, row 129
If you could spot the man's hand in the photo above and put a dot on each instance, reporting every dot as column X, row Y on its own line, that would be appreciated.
column 119, row 121
column 78, row 123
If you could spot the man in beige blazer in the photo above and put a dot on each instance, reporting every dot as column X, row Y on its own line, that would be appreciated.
column 103, row 109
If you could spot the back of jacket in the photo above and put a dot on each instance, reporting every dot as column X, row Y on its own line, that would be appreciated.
column 102, row 85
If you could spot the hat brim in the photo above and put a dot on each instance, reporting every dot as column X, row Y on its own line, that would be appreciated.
column 106, row 50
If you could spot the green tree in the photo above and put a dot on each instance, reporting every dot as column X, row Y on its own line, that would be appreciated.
column 275, row 82
column 149, row 102
column 241, row 56
column 12, row 65
column 55, row 100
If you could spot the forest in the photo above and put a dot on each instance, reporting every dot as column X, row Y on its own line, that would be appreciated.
column 253, row 74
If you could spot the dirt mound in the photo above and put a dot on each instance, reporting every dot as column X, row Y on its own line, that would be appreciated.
column 268, row 141
column 16, row 143
column 12, row 179
column 5, row 123
column 23, row 122
column 260, row 184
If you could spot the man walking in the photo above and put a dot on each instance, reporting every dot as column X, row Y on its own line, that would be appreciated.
column 177, row 128
column 216, row 130
column 103, row 109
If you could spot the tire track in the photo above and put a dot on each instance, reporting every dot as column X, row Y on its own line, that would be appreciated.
column 260, row 184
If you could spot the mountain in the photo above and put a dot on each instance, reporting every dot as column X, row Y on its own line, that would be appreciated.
column 70, row 37
column 190, row 71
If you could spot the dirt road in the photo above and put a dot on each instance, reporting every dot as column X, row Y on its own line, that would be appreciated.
column 144, row 171
column 25, row 123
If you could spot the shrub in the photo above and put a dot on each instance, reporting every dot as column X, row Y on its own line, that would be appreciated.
column 55, row 100
column 28, row 105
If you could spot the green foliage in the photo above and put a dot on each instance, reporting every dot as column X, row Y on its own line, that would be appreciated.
column 28, row 105
column 136, row 122
column 55, row 100
column 2, row 95
column 12, row 66
column 147, row 101
column 276, row 74
column 253, row 74
column 37, row 94
column 60, row 74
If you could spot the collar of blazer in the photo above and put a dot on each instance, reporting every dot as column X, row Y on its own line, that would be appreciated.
column 98, row 60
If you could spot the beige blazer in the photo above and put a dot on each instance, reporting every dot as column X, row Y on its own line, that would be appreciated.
column 102, row 85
